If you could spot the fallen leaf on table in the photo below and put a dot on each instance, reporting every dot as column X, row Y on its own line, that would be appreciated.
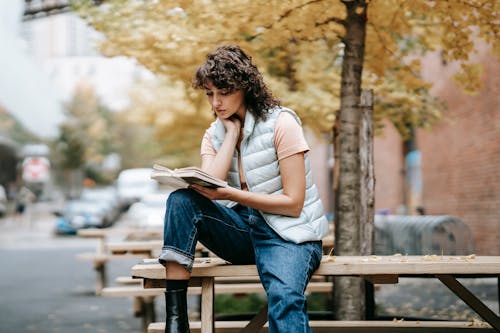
column 431, row 257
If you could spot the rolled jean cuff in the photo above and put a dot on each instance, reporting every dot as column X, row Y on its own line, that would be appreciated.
column 172, row 254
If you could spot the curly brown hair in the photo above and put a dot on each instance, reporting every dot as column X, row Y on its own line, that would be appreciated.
column 229, row 67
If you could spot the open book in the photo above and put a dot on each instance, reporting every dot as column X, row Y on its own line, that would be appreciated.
column 183, row 177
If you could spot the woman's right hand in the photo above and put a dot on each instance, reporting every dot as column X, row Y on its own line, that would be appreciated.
column 232, row 124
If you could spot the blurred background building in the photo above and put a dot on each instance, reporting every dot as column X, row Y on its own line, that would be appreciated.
column 48, row 52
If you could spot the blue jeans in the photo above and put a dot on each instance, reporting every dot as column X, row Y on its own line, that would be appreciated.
column 241, row 236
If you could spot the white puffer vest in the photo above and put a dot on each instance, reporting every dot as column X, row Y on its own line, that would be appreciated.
column 261, row 169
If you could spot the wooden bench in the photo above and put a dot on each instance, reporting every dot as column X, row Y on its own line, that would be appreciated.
column 332, row 326
column 144, row 297
column 145, row 242
column 118, row 251
column 135, row 247
column 99, row 262
column 103, row 235
column 127, row 280
column 375, row 269
column 134, row 243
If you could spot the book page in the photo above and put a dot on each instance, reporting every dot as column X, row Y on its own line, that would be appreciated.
column 185, row 176
column 169, row 180
column 160, row 167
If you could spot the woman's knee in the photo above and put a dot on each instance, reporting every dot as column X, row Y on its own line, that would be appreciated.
column 182, row 197
column 181, row 206
column 280, row 291
column 179, row 195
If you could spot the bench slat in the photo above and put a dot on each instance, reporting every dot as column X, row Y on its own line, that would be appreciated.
column 102, row 233
column 332, row 326
column 135, row 246
column 127, row 280
column 345, row 265
column 103, row 257
column 233, row 288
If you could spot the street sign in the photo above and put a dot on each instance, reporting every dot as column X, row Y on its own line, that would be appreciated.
column 36, row 169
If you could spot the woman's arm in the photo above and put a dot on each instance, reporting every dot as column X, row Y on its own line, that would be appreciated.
column 289, row 203
column 218, row 165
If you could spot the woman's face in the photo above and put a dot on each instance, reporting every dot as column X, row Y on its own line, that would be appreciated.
column 224, row 102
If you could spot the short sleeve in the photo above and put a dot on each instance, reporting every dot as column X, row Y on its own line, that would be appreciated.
column 288, row 136
column 206, row 145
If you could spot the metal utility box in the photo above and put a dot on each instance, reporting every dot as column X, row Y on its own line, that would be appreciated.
column 422, row 235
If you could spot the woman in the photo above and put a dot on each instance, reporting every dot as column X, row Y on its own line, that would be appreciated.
column 270, row 215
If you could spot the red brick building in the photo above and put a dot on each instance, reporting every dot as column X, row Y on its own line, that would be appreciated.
column 460, row 156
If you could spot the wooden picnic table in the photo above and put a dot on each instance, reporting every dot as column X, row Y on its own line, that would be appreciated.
column 103, row 235
column 127, row 243
column 375, row 269
column 146, row 242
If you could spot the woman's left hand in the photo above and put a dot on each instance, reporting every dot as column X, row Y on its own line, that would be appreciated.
column 221, row 193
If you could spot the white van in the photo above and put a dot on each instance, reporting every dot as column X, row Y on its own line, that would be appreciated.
column 133, row 184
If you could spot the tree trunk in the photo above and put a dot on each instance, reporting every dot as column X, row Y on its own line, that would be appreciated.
column 348, row 291
column 367, row 188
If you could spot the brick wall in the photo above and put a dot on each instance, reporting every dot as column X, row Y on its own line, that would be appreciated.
column 319, row 156
column 460, row 156
column 389, row 167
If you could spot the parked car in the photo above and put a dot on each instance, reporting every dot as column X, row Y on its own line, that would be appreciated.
column 78, row 214
column 107, row 197
column 149, row 211
column 133, row 184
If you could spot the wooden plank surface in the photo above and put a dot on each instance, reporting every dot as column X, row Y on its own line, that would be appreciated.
column 131, row 246
column 331, row 326
column 346, row 265
column 207, row 305
column 104, row 257
column 232, row 288
column 108, row 232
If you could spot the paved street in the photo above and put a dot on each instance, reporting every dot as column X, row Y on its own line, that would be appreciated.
column 44, row 289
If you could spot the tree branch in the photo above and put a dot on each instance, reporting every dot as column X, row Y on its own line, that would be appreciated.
column 382, row 41
column 287, row 13
column 331, row 19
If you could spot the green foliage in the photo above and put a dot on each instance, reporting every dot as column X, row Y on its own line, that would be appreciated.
column 69, row 149
column 252, row 303
column 234, row 303
column 11, row 128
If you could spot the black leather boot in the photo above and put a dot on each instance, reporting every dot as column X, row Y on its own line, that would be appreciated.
column 177, row 320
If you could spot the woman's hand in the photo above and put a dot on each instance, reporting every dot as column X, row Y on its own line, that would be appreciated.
column 218, row 165
column 232, row 124
column 221, row 193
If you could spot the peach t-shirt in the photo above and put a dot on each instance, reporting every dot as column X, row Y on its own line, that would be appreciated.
column 288, row 140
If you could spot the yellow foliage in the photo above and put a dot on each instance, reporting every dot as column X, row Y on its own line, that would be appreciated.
column 298, row 46
column 470, row 78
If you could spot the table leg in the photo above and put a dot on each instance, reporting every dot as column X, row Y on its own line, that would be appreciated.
column 101, row 277
column 471, row 300
column 207, row 305
column 257, row 322
column 369, row 300
column 148, row 312
column 101, row 247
